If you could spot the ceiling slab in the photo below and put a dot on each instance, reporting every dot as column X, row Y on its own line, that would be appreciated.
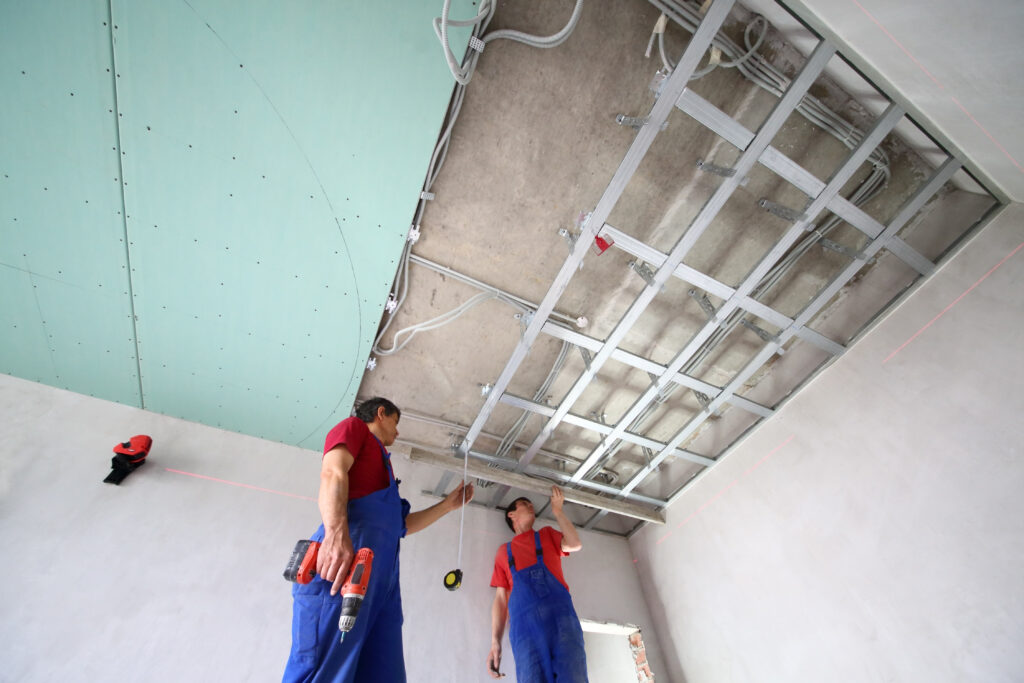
column 752, row 237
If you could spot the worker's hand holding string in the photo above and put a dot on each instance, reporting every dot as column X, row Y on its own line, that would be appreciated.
column 335, row 557
column 460, row 495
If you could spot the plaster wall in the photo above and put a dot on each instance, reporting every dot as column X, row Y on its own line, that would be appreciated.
column 951, row 63
column 171, row 577
column 870, row 530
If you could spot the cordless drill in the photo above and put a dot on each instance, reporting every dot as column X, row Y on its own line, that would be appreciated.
column 302, row 568
column 354, row 590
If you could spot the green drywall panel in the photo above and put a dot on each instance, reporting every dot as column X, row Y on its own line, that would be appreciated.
column 64, row 306
column 26, row 352
column 267, row 158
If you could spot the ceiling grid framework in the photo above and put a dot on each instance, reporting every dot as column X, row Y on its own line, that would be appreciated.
column 737, row 306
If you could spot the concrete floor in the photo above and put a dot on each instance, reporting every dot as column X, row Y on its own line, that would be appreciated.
column 535, row 145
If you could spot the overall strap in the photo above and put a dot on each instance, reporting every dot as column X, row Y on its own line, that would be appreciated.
column 386, row 457
column 512, row 560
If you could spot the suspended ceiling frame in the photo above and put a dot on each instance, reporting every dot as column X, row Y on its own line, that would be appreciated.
column 756, row 149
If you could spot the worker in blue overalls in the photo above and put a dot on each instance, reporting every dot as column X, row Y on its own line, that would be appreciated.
column 361, row 508
column 531, row 593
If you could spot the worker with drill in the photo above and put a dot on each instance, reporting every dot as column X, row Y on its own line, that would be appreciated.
column 530, row 591
column 361, row 508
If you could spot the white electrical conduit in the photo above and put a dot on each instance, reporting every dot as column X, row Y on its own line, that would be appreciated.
column 464, row 73
column 751, row 50
column 766, row 76
column 439, row 321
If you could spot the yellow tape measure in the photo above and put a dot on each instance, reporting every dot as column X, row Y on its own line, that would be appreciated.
column 453, row 579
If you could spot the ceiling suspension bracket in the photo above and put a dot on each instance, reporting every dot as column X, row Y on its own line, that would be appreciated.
column 760, row 332
column 636, row 122
column 844, row 250
column 644, row 271
column 568, row 237
column 705, row 402
column 781, row 211
column 723, row 171
column 586, row 356
column 705, row 303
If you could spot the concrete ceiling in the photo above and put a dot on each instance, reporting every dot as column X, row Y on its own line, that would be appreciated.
column 536, row 144
column 281, row 151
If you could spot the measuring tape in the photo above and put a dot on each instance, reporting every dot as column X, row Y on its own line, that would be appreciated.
column 453, row 579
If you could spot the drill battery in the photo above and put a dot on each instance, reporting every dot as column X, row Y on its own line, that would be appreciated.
column 302, row 564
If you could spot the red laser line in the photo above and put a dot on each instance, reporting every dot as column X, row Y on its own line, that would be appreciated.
column 235, row 483
column 936, row 81
column 987, row 134
column 955, row 301
column 723, row 490
column 770, row 454
column 898, row 44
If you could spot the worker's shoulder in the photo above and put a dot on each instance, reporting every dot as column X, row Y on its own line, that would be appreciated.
column 352, row 422
column 350, row 426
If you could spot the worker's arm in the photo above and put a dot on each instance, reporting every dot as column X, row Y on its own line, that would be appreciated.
column 570, row 538
column 417, row 521
column 499, row 615
column 336, row 550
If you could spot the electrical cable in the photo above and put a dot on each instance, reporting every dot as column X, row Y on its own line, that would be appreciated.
column 537, row 41
column 520, row 424
column 464, row 73
column 441, row 320
column 757, row 69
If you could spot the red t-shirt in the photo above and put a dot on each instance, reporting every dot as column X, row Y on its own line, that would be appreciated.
column 524, row 550
column 368, row 473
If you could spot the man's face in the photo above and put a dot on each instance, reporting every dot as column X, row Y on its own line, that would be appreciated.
column 523, row 516
column 388, row 427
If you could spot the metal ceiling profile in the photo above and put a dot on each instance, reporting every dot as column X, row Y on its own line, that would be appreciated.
column 659, row 113
column 592, row 474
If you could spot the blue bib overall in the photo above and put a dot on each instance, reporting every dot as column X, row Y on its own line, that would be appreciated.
column 372, row 650
column 545, row 633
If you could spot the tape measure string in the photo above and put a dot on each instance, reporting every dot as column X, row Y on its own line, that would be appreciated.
column 462, row 516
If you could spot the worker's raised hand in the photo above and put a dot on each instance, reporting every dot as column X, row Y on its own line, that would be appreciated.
column 557, row 499
column 335, row 557
column 460, row 495
column 494, row 661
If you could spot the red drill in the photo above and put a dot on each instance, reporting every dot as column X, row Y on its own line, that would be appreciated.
column 354, row 590
column 302, row 568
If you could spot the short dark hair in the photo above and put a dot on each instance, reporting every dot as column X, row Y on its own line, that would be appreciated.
column 367, row 410
column 511, row 507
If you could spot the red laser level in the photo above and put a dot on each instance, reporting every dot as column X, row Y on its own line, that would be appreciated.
column 128, row 457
